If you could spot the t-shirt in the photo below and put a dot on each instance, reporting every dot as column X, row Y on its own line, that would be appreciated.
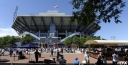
column 115, row 57
column 86, row 56
column 76, row 62
column 61, row 61
column 36, row 54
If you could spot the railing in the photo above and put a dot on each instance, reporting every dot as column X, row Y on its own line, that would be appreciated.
column 73, row 34
column 32, row 35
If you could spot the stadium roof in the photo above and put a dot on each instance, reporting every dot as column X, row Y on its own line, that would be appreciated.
column 41, row 22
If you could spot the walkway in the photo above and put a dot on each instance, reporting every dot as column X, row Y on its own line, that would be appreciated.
column 69, row 57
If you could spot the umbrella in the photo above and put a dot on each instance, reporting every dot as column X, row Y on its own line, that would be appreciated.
column 29, row 46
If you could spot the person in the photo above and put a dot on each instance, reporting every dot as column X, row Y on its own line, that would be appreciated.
column 86, row 56
column 104, row 60
column 115, row 58
column 10, row 52
column 99, row 60
column 51, row 53
column 53, row 60
column 17, row 52
column 84, row 61
column 76, row 61
column 39, row 53
column 58, row 54
column 62, row 60
column 2, row 52
column 36, row 55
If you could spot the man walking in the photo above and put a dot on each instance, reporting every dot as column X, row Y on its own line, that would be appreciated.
column 115, row 58
column 36, row 56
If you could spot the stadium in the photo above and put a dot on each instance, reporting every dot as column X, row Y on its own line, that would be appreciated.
column 51, row 27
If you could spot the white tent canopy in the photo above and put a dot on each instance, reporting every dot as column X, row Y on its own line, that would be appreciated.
column 119, row 42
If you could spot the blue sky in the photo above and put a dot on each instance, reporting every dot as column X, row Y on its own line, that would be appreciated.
column 7, row 8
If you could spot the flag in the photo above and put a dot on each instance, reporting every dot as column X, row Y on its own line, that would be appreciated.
column 55, row 6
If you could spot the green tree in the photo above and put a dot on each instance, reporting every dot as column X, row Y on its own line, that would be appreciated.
column 4, row 40
column 1, row 42
column 89, row 38
column 8, row 40
column 27, row 39
column 68, row 41
column 103, row 39
column 76, row 40
column 88, row 11
column 12, row 39
column 82, row 40
column 96, row 38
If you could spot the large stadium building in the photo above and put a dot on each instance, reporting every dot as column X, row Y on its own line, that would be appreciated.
column 51, row 27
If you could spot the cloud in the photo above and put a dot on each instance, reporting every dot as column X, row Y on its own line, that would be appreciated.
column 7, row 31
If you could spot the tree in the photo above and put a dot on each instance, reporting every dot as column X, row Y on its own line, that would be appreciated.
column 4, row 40
column 103, row 39
column 27, row 39
column 1, row 42
column 68, row 41
column 8, row 41
column 82, row 40
column 88, row 11
column 76, row 40
column 96, row 38
column 89, row 38
column 12, row 39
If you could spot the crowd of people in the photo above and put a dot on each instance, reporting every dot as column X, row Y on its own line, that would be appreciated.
column 101, row 60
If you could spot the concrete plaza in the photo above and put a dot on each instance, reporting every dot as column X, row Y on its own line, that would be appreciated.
column 68, row 56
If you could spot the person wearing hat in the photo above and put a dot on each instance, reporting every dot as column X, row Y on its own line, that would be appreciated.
column 76, row 61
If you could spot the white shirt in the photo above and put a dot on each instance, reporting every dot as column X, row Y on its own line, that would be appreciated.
column 82, row 49
column 2, row 50
column 86, row 56
column 84, row 62
column 115, row 57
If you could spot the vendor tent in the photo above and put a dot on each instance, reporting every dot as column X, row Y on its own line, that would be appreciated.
column 107, row 42
column 29, row 46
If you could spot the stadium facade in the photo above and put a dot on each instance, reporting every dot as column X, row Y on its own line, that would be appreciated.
column 51, row 27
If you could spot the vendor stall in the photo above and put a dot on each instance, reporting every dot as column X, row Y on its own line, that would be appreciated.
column 105, row 46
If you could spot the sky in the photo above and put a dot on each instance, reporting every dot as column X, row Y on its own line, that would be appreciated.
column 7, row 8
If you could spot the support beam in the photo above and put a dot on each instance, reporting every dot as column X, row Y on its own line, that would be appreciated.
column 41, row 28
column 92, row 24
column 22, row 26
column 35, row 23
column 95, row 30
column 44, row 23
column 19, row 21
column 25, row 22
column 70, row 29
column 78, row 27
column 62, row 23
column 91, row 31
column 52, row 21
column 86, row 28
column 18, row 29
column 15, row 28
